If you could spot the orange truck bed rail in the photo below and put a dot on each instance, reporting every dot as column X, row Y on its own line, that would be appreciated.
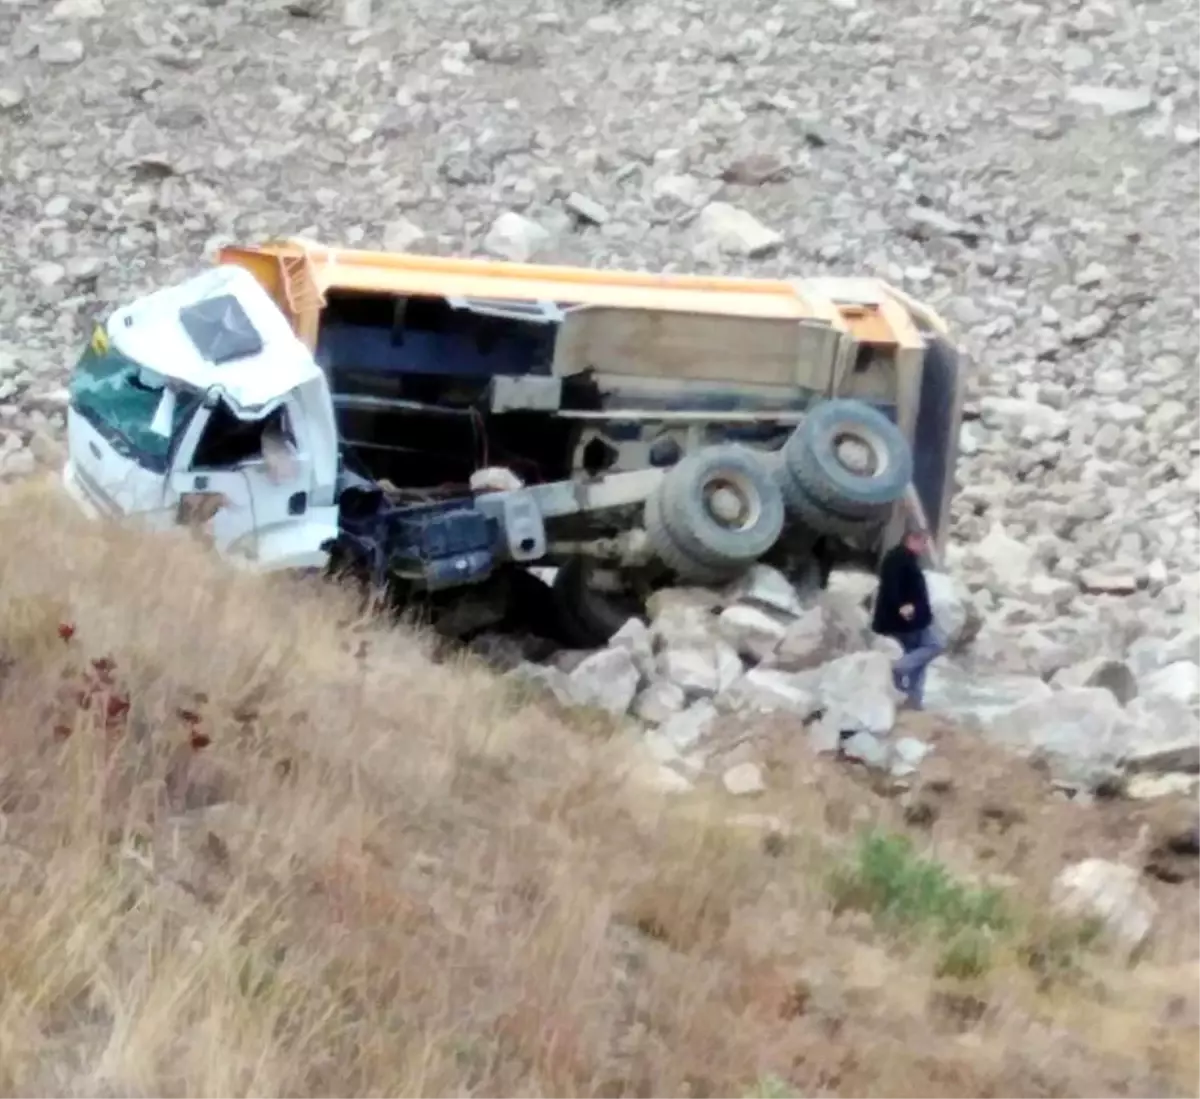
column 299, row 273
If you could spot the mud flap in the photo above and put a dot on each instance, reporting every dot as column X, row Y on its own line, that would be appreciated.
column 935, row 442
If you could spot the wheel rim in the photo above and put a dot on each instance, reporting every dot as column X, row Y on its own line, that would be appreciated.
column 731, row 502
column 859, row 451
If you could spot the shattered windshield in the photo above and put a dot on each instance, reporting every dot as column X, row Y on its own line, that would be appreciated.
column 129, row 405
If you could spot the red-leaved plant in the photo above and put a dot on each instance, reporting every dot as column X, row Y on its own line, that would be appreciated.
column 95, row 689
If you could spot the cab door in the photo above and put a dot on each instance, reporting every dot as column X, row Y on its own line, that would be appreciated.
column 241, row 481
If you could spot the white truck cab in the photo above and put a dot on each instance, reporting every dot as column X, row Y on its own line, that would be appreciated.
column 199, row 403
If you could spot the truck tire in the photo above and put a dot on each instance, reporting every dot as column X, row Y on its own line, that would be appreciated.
column 532, row 606
column 820, row 519
column 716, row 512
column 586, row 618
column 849, row 459
column 677, row 559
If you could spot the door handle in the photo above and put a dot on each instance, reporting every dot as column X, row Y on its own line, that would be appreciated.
column 200, row 484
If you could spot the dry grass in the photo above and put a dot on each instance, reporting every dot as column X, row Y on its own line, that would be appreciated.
column 278, row 851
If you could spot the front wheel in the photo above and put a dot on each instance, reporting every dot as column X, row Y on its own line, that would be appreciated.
column 591, row 603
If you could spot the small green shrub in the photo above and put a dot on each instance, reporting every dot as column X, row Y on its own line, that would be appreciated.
column 907, row 892
column 770, row 1087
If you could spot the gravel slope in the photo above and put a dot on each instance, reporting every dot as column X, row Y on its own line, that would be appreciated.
column 1030, row 168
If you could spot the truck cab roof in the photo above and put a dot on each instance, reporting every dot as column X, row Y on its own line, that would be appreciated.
column 218, row 330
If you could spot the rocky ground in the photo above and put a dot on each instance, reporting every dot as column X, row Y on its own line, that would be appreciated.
column 1030, row 169
column 719, row 683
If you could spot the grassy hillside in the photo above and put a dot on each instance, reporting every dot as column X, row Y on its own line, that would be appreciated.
column 251, row 845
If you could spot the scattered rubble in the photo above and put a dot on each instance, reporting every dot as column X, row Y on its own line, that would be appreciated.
column 708, row 665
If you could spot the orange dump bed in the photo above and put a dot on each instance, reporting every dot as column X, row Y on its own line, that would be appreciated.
column 402, row 274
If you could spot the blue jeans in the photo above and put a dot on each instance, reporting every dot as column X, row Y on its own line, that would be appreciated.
column 921, row 648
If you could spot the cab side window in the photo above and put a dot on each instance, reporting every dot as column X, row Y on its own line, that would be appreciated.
column 228, row 442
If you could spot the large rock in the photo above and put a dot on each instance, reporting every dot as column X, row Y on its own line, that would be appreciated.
column 956, row 693
column 659, row 701
column 1082, row 733
column 1006, row 561
column 356, row 14
column 635, row 637
column 744, row 780
column 1014, row 416
column 1183, row 646
column 553, row 680
column 736, row 232
column 865, row 748
column 1109, row 580
column 649, row 774
column 1112, row 101
column 834, row 626
column 704, row 669
column 1039, row 650
column 608, row 680
column 402, row 235
column 1179, row 682
column 857, row 693
column 1110, row 892
column 766, row 587
column 516, row 238
column 754, row 632
column 682, row 616
column 685, row 729
column 1113, row 675
column 907, row 754
column 1166, row 736
column 954, row 611
column 768, row 690
column 806, row 642
column 854, row 585
column 1150, row 653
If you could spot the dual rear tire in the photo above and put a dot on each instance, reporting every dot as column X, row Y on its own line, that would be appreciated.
column 839, row 474
column 720, row 509
column 844, row 469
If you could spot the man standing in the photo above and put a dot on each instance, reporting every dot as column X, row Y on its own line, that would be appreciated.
column 902, row 611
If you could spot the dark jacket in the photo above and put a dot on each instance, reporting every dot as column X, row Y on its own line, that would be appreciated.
column 901, row 581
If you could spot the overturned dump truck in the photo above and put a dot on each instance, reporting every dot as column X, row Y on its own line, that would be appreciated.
column 439, row 426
